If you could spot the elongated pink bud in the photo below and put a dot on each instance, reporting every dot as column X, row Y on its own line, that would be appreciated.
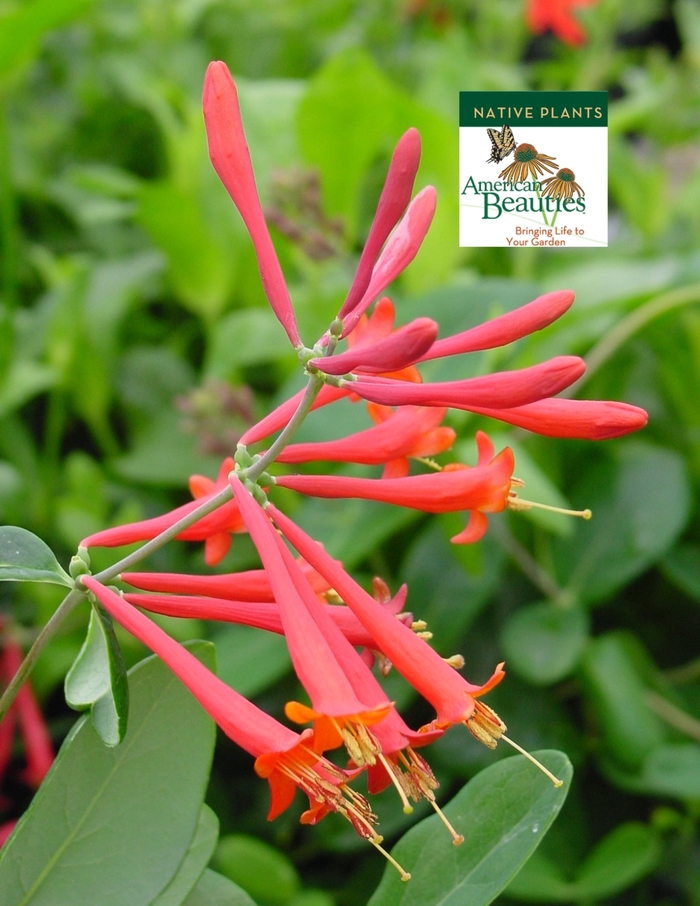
column 401, row 348
column 401, row 248
column 582, row 419
column 505, row 389
column 229, row 154
column 506, row 328
column 395, row 196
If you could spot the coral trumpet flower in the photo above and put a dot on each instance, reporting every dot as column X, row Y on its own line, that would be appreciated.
column 454, row 699
column 284, row 758
column 336, row 710
column 215, row 529
column 480, row 489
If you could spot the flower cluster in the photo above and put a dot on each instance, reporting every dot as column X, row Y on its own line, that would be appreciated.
column 300, row 590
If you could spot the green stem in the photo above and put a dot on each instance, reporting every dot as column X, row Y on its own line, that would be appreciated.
column 71, row 600
column 312, row 390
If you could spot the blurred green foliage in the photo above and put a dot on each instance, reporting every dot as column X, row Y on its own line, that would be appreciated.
column 136, row 343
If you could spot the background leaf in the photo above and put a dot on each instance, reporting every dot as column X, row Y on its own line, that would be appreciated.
column 503, row 814
column 111, row 825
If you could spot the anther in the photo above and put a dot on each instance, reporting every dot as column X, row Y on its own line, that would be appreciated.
column 455, row 660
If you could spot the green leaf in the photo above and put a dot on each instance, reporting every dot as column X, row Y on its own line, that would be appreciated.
column 616, row 692
column 670, row 769
column 214, row 889
column 540, row 881
column 503, row 814
column 682, row 567
column 543, row 642
column 623, row 857
column 352, row 529
column 97, row 680
column 26, row 558
column 23, row 28
column 196, row 860
column 249, row 660
column 609, row 551
column 256, row 867
column 112, row 825
column 249, row 337
column 628, row 853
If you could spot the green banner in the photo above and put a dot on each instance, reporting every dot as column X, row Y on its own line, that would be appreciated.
column 533, row 108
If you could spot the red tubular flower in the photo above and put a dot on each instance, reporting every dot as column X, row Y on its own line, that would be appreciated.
column 395, row 196
column 481, row 489
column 215, row 529
column 391, row 758
column 229, row 154
column 556, row 16
column 412, row 431
column 38, row 749
column 249, row 585
column 284, row 758
column 454, row 699
column 507, row 389
column 336, row 710
column 261, row 614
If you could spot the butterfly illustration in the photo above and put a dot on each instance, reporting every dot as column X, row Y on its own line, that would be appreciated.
column 502, row 144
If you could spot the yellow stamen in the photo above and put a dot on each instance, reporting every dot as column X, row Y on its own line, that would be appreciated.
column 425, row 635
column 407, row 807
column 518, row 505
column 405, row 876
column 416, row 625
column 555, row 780
column 457, row 839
